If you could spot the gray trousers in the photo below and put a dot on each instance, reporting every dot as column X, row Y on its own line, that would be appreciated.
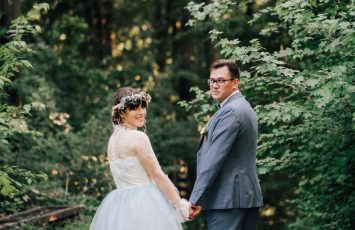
column 233, row 219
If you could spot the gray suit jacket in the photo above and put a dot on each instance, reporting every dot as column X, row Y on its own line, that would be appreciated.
column 226, row 160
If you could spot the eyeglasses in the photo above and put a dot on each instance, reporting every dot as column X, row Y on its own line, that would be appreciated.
column 219, row 82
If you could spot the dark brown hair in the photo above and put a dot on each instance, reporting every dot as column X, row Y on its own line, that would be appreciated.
column 231, row 65
column 116, row 98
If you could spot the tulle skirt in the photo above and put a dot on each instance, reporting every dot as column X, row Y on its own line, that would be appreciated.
column 140, row 207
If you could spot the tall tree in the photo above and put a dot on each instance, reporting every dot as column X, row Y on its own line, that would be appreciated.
column 298, row 92
column 12, row 122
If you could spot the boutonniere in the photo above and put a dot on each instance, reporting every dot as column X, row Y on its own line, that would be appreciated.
column 204, row 130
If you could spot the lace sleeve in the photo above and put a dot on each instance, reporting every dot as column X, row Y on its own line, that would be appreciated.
column 150, row 163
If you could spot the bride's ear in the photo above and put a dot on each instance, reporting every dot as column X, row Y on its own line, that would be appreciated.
column 122, row 116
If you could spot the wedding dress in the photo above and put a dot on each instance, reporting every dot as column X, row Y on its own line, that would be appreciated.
column 145, row 198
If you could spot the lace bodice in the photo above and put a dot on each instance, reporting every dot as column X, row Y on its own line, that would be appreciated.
column 121, row 143
column 133, row 162
column 125, row 166
column 128, row 172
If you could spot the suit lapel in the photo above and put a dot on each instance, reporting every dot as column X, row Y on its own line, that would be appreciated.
column 206, row 129
column 232, row 98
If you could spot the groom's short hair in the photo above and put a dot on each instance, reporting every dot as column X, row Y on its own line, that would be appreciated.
column 231, row 65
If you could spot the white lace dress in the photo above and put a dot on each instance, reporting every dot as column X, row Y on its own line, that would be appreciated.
column 144, row 198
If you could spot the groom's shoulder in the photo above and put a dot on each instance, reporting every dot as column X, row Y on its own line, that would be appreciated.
column 240, row 106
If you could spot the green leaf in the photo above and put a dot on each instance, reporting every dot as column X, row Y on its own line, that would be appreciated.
column 26, row 63
column 27, row 108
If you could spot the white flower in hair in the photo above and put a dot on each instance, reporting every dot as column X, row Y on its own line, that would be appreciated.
column 135, row 99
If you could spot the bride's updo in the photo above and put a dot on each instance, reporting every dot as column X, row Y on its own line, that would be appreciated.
column 127, row 97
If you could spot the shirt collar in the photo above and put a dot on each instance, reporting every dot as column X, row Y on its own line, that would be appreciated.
column 225, row 100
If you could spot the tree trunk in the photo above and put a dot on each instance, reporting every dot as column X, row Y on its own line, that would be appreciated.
column 11, row 9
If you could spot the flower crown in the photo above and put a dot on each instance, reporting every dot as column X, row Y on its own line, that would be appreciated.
column 135, row 100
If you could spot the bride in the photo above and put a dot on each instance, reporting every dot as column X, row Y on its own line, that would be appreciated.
column 145, row 198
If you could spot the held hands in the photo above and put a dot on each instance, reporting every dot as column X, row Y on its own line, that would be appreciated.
column 194, row 211
column 186, row 211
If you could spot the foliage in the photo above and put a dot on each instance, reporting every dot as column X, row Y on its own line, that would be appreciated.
column 71, row 147
column 12, row 117
column 81, row 58
column 204, row 110
column 298, row 75
column 305, row 101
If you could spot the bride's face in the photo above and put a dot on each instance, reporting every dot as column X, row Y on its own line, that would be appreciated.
column 134, row 117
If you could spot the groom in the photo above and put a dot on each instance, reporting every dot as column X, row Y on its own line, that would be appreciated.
column 227, row 185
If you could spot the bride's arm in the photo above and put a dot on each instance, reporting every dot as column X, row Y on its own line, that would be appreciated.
column 150, row 163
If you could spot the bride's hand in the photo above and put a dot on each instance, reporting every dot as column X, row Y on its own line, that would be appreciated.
column 183, row 210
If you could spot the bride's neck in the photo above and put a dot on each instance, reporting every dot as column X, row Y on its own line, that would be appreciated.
column 128, row 126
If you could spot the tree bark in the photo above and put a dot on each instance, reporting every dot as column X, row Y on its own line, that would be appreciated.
column 11, row 9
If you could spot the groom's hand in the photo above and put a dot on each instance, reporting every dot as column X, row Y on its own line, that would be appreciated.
column 194, row 211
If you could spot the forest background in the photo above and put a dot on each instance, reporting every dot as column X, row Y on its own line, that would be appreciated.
column 62, row 60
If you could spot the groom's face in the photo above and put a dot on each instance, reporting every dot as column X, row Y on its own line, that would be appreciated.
column 220, row 92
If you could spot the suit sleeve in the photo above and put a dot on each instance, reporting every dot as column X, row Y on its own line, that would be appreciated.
column 221, row 141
